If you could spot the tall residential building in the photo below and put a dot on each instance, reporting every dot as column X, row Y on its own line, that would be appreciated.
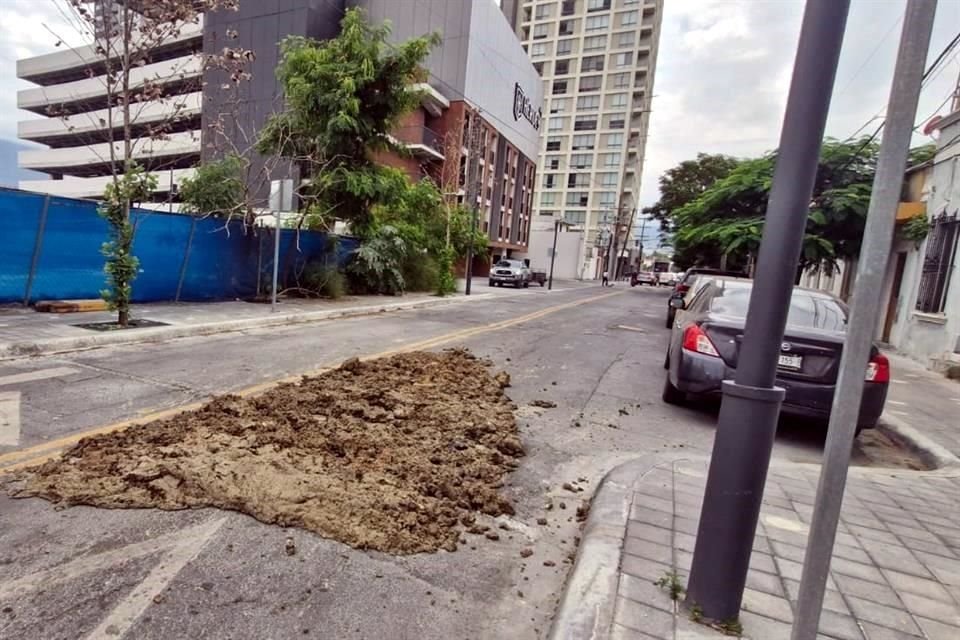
column 71, row 97
column 597, row 59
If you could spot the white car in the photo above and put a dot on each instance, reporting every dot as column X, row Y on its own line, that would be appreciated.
column 512, row 272
column 667, row 279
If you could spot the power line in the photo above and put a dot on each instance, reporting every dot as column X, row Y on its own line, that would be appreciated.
column 870, row 57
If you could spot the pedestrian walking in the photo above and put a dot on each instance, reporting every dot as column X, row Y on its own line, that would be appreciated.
column 606, row 279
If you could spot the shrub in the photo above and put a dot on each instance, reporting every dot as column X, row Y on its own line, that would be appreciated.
column 324, row 280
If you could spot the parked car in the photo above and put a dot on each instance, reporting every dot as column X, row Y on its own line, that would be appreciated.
column 643, row 277
column 705, row 343
column 685, row 287
column 667, row 279
column 512, row 272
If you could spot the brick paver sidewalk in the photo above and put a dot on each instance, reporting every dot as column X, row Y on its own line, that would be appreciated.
column 895, row 571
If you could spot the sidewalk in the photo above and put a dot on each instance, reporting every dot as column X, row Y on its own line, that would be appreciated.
column 895, row 572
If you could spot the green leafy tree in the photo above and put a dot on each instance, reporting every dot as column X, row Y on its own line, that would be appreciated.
column 727, row 219
column 215, row 189
column 343, row 97
column 131, row 187
column 686, row 182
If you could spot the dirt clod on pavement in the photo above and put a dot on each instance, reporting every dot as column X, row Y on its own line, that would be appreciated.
column 390, row 454
column 545, row 404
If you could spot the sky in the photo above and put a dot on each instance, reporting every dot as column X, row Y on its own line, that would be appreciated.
column 721, row 81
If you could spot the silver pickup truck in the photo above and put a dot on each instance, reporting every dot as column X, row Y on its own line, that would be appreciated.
column 512, row 272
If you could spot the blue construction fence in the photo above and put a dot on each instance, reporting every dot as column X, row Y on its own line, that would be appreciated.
column 50, row 250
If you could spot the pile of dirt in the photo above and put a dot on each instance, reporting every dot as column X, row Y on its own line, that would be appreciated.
column 390, row 454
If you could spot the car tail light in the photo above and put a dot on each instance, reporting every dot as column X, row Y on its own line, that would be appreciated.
column 878, row 369
column 682, row 288
column 694, row 339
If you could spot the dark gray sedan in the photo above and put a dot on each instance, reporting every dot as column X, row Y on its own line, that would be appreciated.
column 705, row 341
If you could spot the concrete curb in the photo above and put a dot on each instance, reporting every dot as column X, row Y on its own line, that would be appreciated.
column 159, row 334
column 934, row 453
column 587, row 607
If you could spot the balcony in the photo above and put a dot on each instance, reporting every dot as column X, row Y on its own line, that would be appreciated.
column 432, row 100
column 84, row 128
column 94, row 160
column 908, row 210
column 421, row 141
column 91, row 93
column 93, row 187
column 67, row 65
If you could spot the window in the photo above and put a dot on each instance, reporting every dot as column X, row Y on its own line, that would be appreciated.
column 581, row 161
column 598, row 5
column 621, row 60
column 539, row 67
column 577, row 198
column 557, row 124
column 585, row 123
column 559, row 87
column 568, row 7
column 616, row 121
column 608, row 179
column 608, row 198
column 590, row 83
column 588, row 103
column 564, row 47
column 544, row 11
column 561, row 67
column 567, row 27
column 618, row 100
column 591, row 63
column 937, row 263
column 553, row 143
column 626, row 39
column 548, row 198
column 584, row 141
column 578, row 180
column 541, row 31
column 538, row 49
column 610, row 159
column 559, row 105
column 575, row 217
column 594, row 43
column 595, row 23
column 621, row 80
column 549, row 180
column 628, row 18
column 553, row 162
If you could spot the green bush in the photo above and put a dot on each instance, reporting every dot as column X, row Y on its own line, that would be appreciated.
column 377, row 266
column 421, row 273
column 324, row 280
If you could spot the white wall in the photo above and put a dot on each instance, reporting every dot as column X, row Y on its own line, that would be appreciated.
column 496, row 62
column 568, row 259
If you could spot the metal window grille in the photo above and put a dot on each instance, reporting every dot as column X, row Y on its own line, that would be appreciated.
column 938, row 262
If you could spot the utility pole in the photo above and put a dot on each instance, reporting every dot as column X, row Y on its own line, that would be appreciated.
column 751, row 404
column 553, row 253
column 473, row 186
column 871, row 268
column 612, row 255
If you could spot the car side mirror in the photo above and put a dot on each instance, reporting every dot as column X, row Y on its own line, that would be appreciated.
column 677, row 303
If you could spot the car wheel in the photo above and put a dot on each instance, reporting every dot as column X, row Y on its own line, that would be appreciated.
column 670, row 318
column 526, row 285
column 666, row 361
column 491, row 283
column 672, row 395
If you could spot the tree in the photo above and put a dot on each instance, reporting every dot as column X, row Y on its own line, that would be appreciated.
column 727, row 218
column 126, row 34
column 343, row 97
column 216, row 188
column 685, row 183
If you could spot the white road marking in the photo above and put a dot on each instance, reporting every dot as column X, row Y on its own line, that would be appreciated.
column 786, row 524
column 129, row 610
column 9, row 418
column 41, row 374
column 87, row 564
column 899, row 413
column 897, row 402
column 627, row 328
column 897, row 381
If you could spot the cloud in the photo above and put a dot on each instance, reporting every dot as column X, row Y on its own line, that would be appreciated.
column 724, row 68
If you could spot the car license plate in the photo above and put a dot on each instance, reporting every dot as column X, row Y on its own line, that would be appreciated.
column 790, row 361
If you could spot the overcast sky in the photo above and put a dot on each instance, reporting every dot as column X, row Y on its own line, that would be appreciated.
column 721, row 82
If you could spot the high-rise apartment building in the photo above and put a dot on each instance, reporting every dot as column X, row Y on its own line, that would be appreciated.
column 597, row 59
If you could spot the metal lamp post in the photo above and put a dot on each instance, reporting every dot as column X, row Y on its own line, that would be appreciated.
column 751, row 403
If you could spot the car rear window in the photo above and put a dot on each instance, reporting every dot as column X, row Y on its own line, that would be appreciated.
column 808, row 310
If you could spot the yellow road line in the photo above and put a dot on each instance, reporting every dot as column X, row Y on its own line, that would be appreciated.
column 41, row 452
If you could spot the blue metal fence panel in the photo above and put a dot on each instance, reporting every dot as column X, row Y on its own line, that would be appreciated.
column 19, row 217
column 221, row 262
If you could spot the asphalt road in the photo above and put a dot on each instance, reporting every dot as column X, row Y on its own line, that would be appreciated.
column 91, row 573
